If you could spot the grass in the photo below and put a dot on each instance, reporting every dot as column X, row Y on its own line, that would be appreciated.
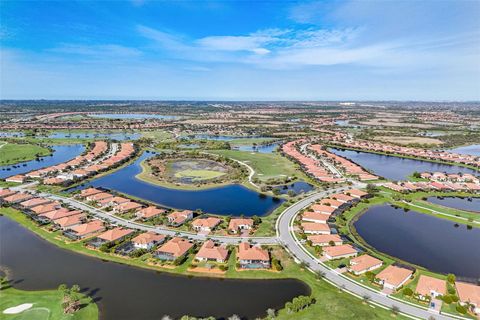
column 11, row 153
column 331, row 302
column 266, row 165
column 199, row 175
column 46, row 305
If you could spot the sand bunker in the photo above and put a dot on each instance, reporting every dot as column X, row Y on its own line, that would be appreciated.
column 20, row 308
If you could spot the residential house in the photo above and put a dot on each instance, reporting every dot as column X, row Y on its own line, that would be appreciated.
column 239, row 224
column 316, row 217
column 148, row 240
column 469, row 295
column 148, row 212
column 393, row 277
column 429, row 287
column 173, row 249
column 364, row 263
column 315, row 228
column 212, row 252
column 85, row 230
column 325, row 240
column 205, row 224
column 339, row 252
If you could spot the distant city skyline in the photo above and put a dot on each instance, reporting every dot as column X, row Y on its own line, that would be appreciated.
column 241, row 51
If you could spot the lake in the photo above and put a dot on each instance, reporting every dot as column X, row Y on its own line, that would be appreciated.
column 267, row 148
column 472, row 204
column 233, row 199
column 124, row 292
column 61, row 153
column 473, row 150
column 297, row 187
column 396, row 168
column 427, row 241
column 136, row 116
column 222, row 137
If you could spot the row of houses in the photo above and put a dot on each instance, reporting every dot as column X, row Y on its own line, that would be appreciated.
column 176, row 218
column 347, row 166
column 75, row 225
column 450, row 177
column 407, row 186
column 440, row 155
column 311, row 166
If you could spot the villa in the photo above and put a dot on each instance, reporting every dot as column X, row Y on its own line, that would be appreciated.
column 356, row 193
column 69, row 221
column 99, row 196
column 316, row 217
column 211, row 252
column 148, row 240
column 85, row 230
column 148, row 212
column 173, row 249
column 469, row 294
column 364, row 263
column 323, row 209
column 315, row 228
column 325, row 240
column 89, row 192
column 177, row 218
column 239, row 224
column 429, row 287
column 252, row 257
column 331, row 202
column 205, row 224
column 339, row 252
column 59, row 213
column 6, row 193
column 34, row 202
column 393, row 277
column 126, row 206
column 44, row 208
column 17, row 198
column 112, row 235
column 18, row 178
column 343, row 198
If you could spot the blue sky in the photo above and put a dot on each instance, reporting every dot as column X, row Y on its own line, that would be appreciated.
column 241, row 50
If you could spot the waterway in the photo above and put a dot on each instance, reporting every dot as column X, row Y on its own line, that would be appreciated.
column 396, row 168
column 469, row 204
column 233, row 199
column 268, row 148
column 120, row 136
column 61, row 153
column 436, row 244
column 125, row 292
column 473, row 150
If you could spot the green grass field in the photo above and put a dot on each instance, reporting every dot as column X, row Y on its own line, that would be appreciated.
column 266, row 165
column 11, row 153
column 199, row 175
column 47, row 305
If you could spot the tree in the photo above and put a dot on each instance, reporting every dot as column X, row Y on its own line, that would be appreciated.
column 408, row 292
column 271, row 313
column 395, row 310
column 234, row 317
column 451, row 278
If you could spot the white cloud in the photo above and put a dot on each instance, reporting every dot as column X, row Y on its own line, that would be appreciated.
column 97, row 51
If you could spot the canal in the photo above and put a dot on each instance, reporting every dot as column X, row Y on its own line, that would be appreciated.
column 125, row 292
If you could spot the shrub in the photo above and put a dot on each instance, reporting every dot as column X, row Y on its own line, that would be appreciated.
column 447, row 299
column 461, row 309
column 407, row 292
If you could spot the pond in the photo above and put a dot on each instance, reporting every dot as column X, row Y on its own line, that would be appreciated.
column 136, row 116
column 297, row 187
column 469, row 204
column 267, row 148
column 61, row 153
column 427, row 241
column 222, row 137
column 231, row 199
column 473, row 150
column 11, row 134
column 120, row 136
column 396, row 168
column 124, row 292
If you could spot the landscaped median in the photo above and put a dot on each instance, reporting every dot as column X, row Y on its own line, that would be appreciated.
column 329, row 301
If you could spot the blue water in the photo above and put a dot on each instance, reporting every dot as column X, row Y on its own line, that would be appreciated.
column 472, row 204
column 473, row 150
column 11, row 134
column 232, row 199
column 120, row 136
column 396, row 168
column 222, row 137
column 298, row 187
column 132, row 116
column 427, row 241
column 260, row 149
column 61, row 153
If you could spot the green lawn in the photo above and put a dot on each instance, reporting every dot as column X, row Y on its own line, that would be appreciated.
column 11, row 153
column 46, row 305
column 199, row 175
column 266, row 165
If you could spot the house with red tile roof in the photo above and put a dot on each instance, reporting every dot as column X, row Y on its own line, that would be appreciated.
column 469, row 295
column 43, row 208
column 17, row 197
column 342, row 197
column 89, row 192
column 174, row 248
column 356, row 193
column 85, row 230
column 316, row 217
column 212, row 252
column 252, row 257
column 70, row 221
column 364, row 263
column 429, row 287
column 205, row 224
column 177, row 218
column 148, row 212
column 331, row 202
column 127, row 206
column 393, row 277
column 325, row 240
column 115, row 234
column 18, row 178
column 339, row 252
column 320, row 208
column 148, row 240
column 34, row 202
column 59, row 213
column 315, row 228
column 99, row 196
column 6, row 192
column 239, row 224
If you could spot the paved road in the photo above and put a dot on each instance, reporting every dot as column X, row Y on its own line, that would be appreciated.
column 161, row 230
column 285, row 236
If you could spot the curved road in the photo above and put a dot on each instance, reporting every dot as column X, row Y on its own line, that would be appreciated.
column 286, row 237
